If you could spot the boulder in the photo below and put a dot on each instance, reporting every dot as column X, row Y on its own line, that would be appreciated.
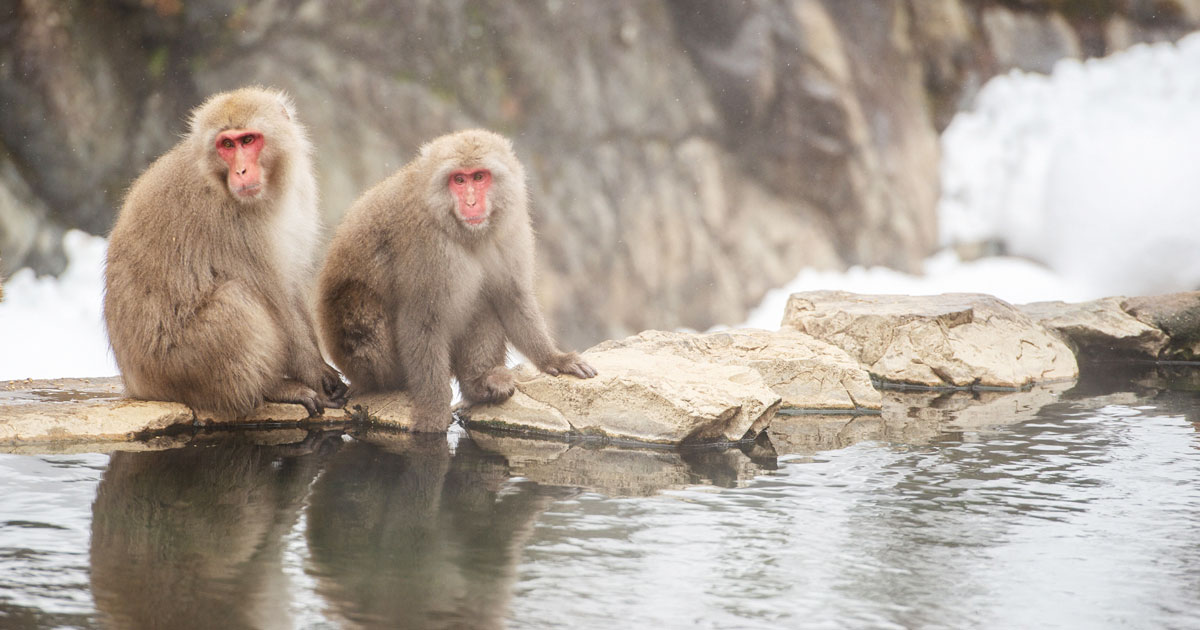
column 807, row 373
column 955, row 340
column 1100, row 329
column 1177, row 315
column 636, row 396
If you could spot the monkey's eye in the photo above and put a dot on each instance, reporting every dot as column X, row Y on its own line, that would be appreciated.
column 459, row 179
column 478, row 176
column 247, row 139
column 227, row 143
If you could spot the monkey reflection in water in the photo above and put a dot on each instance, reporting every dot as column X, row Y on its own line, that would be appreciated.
column 403, row 536
column 410, row 536
column 193, row 537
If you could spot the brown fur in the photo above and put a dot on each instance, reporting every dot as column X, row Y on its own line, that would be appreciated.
column 206, row 293
column 410, row 294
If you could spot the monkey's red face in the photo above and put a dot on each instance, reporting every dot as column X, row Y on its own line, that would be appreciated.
column 470, row 190
column 240, row 149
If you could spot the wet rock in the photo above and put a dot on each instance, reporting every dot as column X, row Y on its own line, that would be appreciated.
column 78, row 410
column 71, row 410
column 945, row 341
column 389, row 409
column 636, row 396
column 1177, row 315
column 807, row 373
column 1100, row 329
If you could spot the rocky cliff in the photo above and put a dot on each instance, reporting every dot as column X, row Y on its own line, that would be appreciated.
column 684, row 155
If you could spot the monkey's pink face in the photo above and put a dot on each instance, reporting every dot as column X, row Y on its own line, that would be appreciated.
column 470, row 190
column 240, row 149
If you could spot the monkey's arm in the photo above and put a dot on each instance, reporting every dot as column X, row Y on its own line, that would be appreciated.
column 304, row 361
column 526, row 329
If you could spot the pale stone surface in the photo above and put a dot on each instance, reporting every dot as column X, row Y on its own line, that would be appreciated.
column 80, row 410
column 951, row 340
column 391, row 409
column 637, row 396
column 806, row 372
column 1099, row 329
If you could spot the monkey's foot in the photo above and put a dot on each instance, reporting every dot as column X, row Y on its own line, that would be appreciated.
column 431, row 422
column 568, row 363
column 295, row 392
column 495, row 386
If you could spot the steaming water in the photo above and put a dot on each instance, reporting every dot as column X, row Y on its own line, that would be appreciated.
column 1060, row 510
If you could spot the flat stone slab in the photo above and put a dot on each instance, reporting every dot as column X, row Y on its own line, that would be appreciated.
column 77, row 410
column 1100, row 329
column 807, row 373
column 954, row 340
column 636, row 396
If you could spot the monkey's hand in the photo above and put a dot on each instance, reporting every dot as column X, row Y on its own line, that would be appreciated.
column 568, row 363
column 333, row 386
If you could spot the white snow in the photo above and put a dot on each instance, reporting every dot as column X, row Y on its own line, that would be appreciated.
column 1092, row 172
column 53, row 328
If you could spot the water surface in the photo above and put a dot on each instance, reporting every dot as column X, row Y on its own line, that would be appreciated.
column 1067, row 507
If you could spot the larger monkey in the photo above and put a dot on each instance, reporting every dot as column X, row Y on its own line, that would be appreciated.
column 210, row 262
column 431, row 273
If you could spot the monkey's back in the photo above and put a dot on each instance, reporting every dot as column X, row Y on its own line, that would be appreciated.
column 188, row 308
column 371, row 264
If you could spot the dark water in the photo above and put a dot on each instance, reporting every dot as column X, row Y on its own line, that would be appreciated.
column 1056, row 508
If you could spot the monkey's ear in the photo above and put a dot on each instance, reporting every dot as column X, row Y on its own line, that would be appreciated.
column 285, row 104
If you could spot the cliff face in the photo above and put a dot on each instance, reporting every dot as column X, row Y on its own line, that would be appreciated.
column 684, row 155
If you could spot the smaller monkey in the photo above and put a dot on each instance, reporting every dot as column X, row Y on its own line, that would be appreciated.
column 430, row 274
column 210, row 264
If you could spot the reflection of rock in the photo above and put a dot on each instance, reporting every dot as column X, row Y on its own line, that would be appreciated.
column 192, row 537
column 618, row 471
column 1100, row 329
column 406, row 535
column 951, row 340
column 806, row 372
column 637, row 396
column 912, row 418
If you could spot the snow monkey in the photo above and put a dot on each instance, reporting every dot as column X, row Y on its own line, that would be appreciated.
column 211, row 262
column 431, row 273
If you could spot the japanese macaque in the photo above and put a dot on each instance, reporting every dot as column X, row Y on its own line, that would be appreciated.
column 211, row 261
column 430, row 274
